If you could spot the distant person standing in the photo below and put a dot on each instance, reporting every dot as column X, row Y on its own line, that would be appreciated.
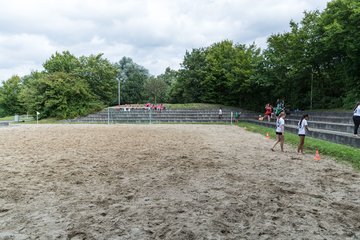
column 356, row 118
column 303, row 129
column 280, row 127
column 236, row 116
column 279, row 107
column 220, row 114
column 268, row 111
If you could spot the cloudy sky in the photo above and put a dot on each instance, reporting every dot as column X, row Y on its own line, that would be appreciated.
column 154, row 33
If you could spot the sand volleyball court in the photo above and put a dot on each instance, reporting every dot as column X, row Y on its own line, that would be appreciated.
column 168, row 182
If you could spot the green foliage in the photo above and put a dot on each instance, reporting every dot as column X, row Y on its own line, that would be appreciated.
column 170, row 78
column 97, row 71
column 188, row 87
column 155, row 89
column 9, row 97
column 316, row 64
column 339, row 25
column 59, row 95
column 61, row 62
column 6, row 118
column 70, row 87
column 132, row 78
column 320, row 54
column 100, row 74
column 2, row 112
column 217, row 74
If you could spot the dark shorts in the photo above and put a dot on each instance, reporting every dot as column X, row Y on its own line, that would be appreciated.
column 301, row 135
column 278, row 133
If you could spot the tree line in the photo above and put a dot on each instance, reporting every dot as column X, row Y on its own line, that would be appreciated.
column 69, row 86
column 316, row 64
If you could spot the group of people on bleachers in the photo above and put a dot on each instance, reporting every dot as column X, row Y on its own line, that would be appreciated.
column 147, row 106
column 157, row 107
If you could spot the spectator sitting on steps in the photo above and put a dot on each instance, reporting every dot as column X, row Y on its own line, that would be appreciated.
column 220, row 114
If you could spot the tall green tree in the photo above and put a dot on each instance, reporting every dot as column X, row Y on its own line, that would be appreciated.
column 220, row 59
column 230, row 67
column 59, row 95
column 293, row 64
column 188, row 87
column 155, row 89
column 61, row 62
column 169, row 77
column 132, row 78
column 101, row 75
column 340, row 38
column 9, row 96
column 217, row 74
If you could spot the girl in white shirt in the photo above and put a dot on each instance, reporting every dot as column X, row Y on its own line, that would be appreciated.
column 356, row 118
column 303, row 129
column 280, row 127
column 220, row 113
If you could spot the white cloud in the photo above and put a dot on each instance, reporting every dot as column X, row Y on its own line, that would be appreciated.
column 21, row 50
column 155, row 33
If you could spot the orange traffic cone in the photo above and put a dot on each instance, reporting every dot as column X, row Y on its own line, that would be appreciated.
column 267, row 135
column 317, row 155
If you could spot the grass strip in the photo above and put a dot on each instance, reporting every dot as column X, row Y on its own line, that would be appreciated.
column 340, row 152
column 8, row 118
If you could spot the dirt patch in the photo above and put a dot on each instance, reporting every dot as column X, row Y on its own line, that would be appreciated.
column 168, row 182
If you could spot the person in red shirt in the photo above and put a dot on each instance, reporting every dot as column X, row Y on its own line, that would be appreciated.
column 268, row 111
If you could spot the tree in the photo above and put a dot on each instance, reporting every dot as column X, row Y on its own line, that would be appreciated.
column 156, row 89
column 292, row 61
column 132, row 78
column 340, row 50
column 59, row 95
column 61, row 62
column 188, row 87
column 9, row 96
column 169, row 77
column 220, row 73
column 100, row 74
column 220, row 68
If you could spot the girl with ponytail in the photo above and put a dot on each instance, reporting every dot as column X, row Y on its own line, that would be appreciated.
column 280, row 126
column 302, row 130
column 356, row 118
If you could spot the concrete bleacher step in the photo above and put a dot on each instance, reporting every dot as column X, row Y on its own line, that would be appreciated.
column 146, row 116
column 338, row 127
column 323, row 114
column 346, row 119
column 328, row 135
column 5, row 123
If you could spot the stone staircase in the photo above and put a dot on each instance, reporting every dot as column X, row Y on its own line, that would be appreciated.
column 151, row 116
column 4, row 123
column 336, row 127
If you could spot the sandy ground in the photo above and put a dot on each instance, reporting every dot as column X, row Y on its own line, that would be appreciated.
column 168, row 182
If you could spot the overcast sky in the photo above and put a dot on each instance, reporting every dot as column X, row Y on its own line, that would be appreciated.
column 154, row 33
